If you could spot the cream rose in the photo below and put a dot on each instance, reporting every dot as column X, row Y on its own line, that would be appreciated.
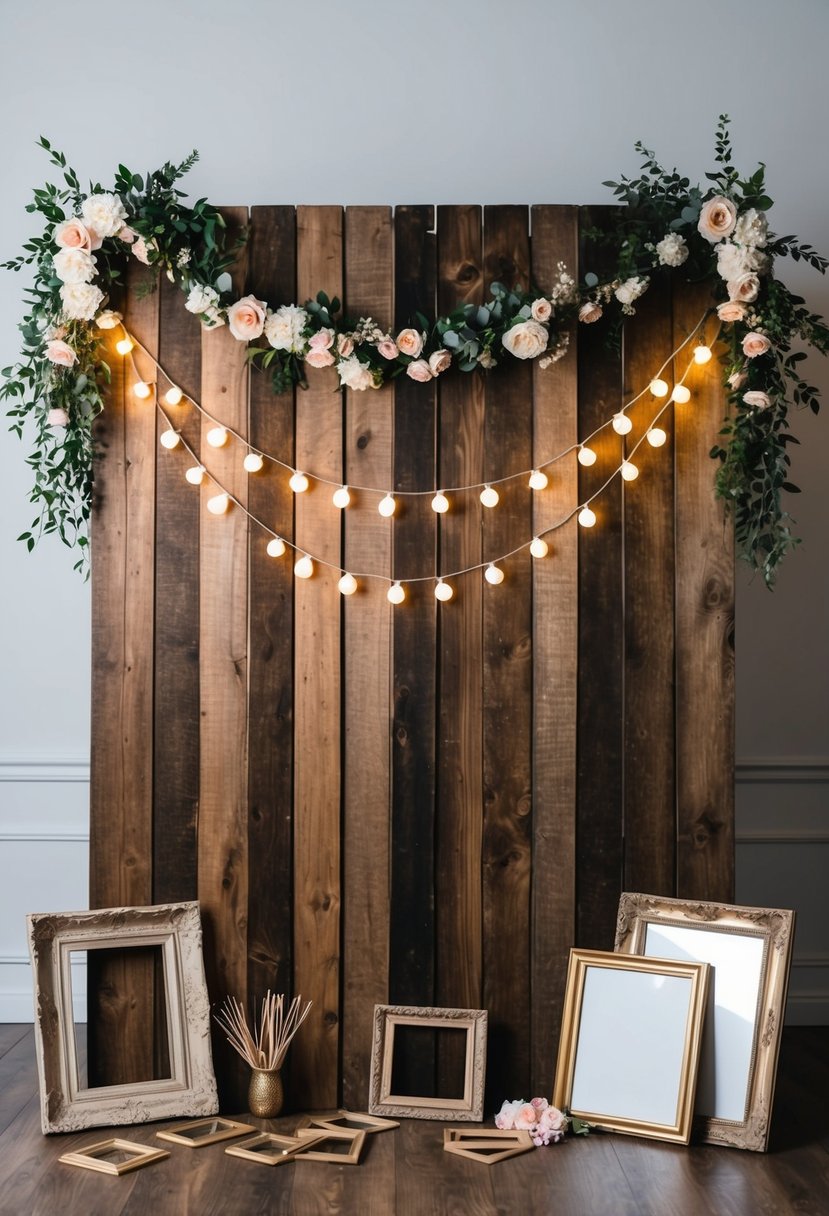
column 57, row 417
column 80, row 301
column 246, row 318
column 542, row 310
column 354, row 374
column 60, row 353
column 387, row 347
column 74, row 234
column 731, row 310
column 74, row 265
column 717, row 218
column 103, row 212
column 439, row 362
column 409, row 342
column 590, row 312
column 757, row 400
column 744, row 289
column 630, row 290
column 755, row 344
column 526, row 340
column 420, row 371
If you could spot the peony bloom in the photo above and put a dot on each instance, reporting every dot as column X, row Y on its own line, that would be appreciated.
column 57, row 417
column 526, row 339
column 410, row 342
column 246, row 318
column 74, row 265
column 439, row 362
column 755, row 344
column 60, row 353
column 419, row 370
column 542, row 310
column 590, row 312
column 752, row 228
column 387, row 347
column 757, row 399
column 201, row 299
column 285, row 328
column 630, row 290
column 105, row 213
column 74, row 234
column 80, row 301
column 731, row 310
column 355, row 374
column 717, row 218
column 672, row 250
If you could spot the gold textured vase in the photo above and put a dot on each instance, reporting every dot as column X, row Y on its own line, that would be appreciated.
column 265, row 1093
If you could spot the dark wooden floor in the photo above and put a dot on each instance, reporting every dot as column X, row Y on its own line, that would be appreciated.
column 406, row 1173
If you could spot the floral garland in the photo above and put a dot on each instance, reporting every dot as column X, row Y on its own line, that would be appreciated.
column 720, row 235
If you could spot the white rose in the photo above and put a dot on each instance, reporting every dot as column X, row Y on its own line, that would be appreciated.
column 672, row 250
column 103, row 212
column 744, row 289
column 630, row 290
column 752, row 228
column 526, row 339
column 201, row 299
column 354, row 374
column 285, row 328
column 74, row 266
column 80, row 301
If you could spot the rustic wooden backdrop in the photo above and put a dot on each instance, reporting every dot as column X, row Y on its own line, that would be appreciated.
column 432, row 803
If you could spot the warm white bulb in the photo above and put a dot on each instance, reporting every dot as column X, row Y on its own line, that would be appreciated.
column 538, row 480
column 341, row 498
column 303, row 567
column 396, row 594
column 629, row 471
column 173, row 395
column 621, row 424
column 218, row 504
column 702, row 354
column 195, row 475
column 217, row 436
column 299, row 484
column 681, row 394
column 656, row 437
column 124, row 346
column 253, row 462
column 347, row 584
column 440, row 503
column 142, row 390
column 659, row 387
column 539, row 547
column 169, row 439
column 443, row 591
column 276, row 547
column 586, row 456
column 587, row 518
column 494, row 574
column 490, row 496
column 387, row 506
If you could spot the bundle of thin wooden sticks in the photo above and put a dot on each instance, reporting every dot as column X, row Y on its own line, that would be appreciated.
column 266, row 1043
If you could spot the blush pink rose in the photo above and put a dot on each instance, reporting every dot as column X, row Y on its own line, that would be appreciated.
column 731, row 310
column 60, row 353
column 717, row 218
column 744, row 289
column 737, row 380
column 57, row 417
column 439, row 362
column 542, row 310
column 590, row 312
column 323, row 339
column 319, row 358
column 409, row 342
column 526, row 1116
column 74, row 234
column 755, row 344
column 388, row 348
column 552, row 1119
column 246, row 318
column 141, row 250
column 757, row 399
column 345, row 345
column 419, row 371
column 126, row 234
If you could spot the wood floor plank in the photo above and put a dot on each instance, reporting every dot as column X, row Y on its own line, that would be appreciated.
column 430, row 1180
column 11, row 1033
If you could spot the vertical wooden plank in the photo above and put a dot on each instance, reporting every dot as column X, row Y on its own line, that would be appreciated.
column 369, row 289
column 507, row 684
column 272, row 277
column 704, row 636
column 317, row 689
column 650, row 827
column 555, row 666
column 121, row 991
column 223, row 605
column 178, row 516
column 599, row 826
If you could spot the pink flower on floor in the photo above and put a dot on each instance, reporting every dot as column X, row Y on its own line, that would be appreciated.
column 439, row 361
column 319, row 358
column 409, row 342
column 419, row 371
column 388, row 348
column 246, row 318
column 526, row 1116
column 505, row 1119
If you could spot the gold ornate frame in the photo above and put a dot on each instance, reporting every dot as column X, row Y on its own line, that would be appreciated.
column 470, row 1106
column 573, row 1050
column 775, row 926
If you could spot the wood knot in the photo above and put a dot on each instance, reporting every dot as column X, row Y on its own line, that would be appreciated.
column 363, row 440
column 330, row 1018
column 468, row 273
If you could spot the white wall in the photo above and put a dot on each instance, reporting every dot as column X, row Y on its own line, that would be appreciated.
column 367, row 102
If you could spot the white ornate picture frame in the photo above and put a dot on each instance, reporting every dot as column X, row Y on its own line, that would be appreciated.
column 749, row 950
column 65, row 1103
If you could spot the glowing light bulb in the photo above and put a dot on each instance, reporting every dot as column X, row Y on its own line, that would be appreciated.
column 195, row 475
column 494, row 574
column 275, row 547
column 443, row 591
column 217, row 437
column 587, row 518
column 440, row 503
column 538, row 480
column 656, row 437
column 124, row 346
column 387, row 506
column 490, row 496
column 253, row 462
column 396, row 594
column 142, row 390
column 702, row 354
column 680, row 394
column 218, row 504
column 629, row 470
column 303, row 567
column 621, row 424
column 586, row 456
column 108, row 319
column 169, row 439
column 299, row 484
column 539, row 547
column 659, row 387
column 347, row 584
column 173, row 395
column 341, row 498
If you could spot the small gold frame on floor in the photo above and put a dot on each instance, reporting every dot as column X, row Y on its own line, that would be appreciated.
column 94, row 1156
column 317, row 1138
column 199, row 1132
column 486, row 1145
column 353, row 1121
column 271, row 1148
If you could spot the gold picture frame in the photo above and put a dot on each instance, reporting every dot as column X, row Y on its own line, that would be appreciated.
column 353, row 1121
column 271, row 1148
column 630, row 1043
column 200, row 1132
column 750, row 951
column 469, row 1105
column 315, row 1140
column 66, row 1104
column 93, row 1157
column 486, row 1145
